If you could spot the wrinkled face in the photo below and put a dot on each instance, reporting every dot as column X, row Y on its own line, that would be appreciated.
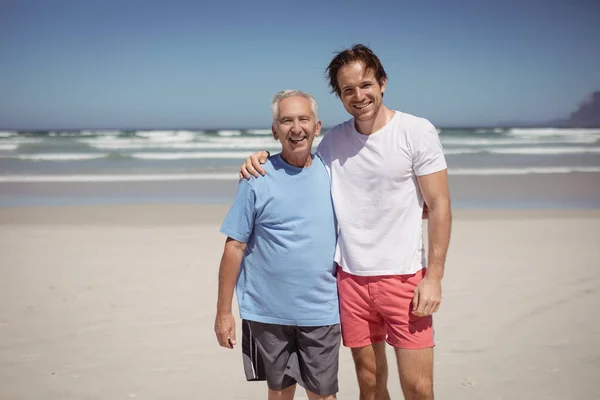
column 296, row 126
column 360, row 92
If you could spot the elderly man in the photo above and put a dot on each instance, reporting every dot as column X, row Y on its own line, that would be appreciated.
column 281, row 237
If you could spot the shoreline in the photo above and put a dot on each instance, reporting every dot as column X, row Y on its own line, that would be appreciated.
column 185, row 214
column 577, row 191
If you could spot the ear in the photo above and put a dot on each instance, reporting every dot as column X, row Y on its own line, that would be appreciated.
column 383, row 85
column 318, row 131
column 274, row 132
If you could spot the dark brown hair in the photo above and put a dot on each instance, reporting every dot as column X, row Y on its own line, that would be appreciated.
column 357, row 53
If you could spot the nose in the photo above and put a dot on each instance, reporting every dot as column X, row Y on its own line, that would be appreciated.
column 358, row 93
column 296, row 127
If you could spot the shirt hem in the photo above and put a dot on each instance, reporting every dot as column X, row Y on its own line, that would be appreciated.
column 235, row 235
column 290, row 322
column 431, row 170
column 383, row 272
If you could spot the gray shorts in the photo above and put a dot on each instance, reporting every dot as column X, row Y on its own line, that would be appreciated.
column 285, row 355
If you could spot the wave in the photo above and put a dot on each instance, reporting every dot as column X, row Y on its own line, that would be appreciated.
column 521, row 171
column 552, row 131
column 82, row 133
column 503, row 141
column 214, row 155
column 545, row 150
column 21, row 140
column 489, row 130
column 168, row 136
column 247, row 143
column 117, row 156
column 187, row 156
column 8, row 147
column 60, row 157
column 264, row 132
column 6, row 134
column 188, row 140
column 524, row 150
column 211, row 176
column 117, row 178
column 228, row 133
column 101, row 133
column 452, row 152
column 187, row 146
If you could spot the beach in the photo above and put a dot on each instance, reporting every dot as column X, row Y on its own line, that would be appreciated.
column 118, row 301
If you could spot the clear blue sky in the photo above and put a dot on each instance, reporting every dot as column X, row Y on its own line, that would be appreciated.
column 204, row 64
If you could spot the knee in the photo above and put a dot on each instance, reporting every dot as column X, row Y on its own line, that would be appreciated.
column 420, row 389
column 371, row 376
column 367, row 377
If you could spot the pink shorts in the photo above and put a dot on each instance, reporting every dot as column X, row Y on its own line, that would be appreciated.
column 378, row 308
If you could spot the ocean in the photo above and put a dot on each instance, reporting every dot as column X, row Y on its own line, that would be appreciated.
column 200, row 166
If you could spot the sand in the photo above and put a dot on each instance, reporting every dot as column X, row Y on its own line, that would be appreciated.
column 117, row 302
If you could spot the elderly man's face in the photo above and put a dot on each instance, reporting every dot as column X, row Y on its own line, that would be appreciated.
column 296, row 126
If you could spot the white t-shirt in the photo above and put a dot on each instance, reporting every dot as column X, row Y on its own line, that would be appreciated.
column 376, row 196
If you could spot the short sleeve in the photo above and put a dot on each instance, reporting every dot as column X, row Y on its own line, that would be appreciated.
column 239, row 221
column 428, row 154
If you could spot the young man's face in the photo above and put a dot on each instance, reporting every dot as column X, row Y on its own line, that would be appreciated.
column 296, row 126
column 360, row 92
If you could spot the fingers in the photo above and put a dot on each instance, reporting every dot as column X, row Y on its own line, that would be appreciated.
column 416, row 301
column 244, row 170
column 225, row 332
column 260, row 169
column 256, row 161
column 223, row 339
column 252, row 165
column 232, row 336
column 426, row 306
column 262, row 160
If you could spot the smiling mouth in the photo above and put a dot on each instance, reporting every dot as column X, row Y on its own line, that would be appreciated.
column 296, row 141
column 362, row 106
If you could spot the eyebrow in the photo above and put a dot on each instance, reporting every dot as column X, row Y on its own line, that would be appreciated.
column 360, row 84
column 281, row 118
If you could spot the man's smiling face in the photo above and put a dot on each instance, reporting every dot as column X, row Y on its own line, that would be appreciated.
column 360, row 92
column 296, row 126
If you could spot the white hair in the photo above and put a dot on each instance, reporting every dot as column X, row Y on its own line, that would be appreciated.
column 284, row 94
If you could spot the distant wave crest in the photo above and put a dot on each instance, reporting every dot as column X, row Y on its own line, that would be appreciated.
column 234, row 175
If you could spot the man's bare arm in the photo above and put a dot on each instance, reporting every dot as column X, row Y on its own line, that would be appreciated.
column 228, row 274
column 252, row 165
column 436, row 194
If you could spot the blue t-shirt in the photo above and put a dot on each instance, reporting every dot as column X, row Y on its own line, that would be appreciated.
column 287, row 275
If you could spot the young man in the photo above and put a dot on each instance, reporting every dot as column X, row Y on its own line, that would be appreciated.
column 384, row 165
column 281, row 236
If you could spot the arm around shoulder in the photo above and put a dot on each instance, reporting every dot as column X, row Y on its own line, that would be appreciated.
column 252, row 165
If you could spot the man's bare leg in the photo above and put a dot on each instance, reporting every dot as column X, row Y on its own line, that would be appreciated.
column 371, row 371
column 314, row 396
column 285, row 394
column 415, row 368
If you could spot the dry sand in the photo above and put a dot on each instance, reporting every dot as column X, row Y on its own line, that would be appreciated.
column 118, row 302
